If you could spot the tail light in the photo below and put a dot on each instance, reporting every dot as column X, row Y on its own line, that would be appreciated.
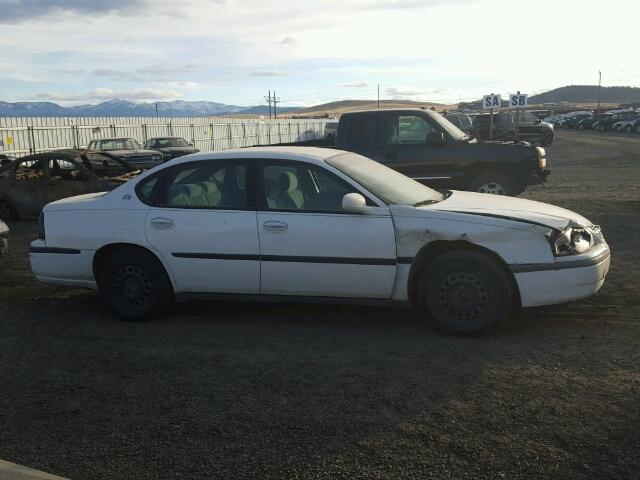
column 41, row 235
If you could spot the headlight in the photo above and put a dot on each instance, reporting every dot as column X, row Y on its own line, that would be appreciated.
column 542, row 161
column 573, row 241
column 156, row 158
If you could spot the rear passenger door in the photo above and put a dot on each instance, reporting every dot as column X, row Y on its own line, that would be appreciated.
column 203, row 224
column 66, row 178
column 27, row 186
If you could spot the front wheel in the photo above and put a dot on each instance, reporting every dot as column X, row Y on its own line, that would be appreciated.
column 464, row 292
column 135, row 285
column 494, row 183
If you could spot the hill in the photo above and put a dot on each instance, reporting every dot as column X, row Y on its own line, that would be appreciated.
column 334, row 109
column 587, row 94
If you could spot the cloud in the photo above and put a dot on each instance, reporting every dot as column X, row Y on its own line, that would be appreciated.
column 103, row 94
column 287, row 41
column 267, row 73
column 16, row 11
column 401, row 93
column 408, row 4
column 160, row 73
column 355, row 85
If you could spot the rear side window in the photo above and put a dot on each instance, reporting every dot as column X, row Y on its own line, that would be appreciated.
column 362, row 129
column 147, row 189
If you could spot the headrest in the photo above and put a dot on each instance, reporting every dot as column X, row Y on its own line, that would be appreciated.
column 191, row 190
column 288, row 182
column 210, row 187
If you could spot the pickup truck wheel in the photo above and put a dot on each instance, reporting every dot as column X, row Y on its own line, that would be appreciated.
column 547, row 139
column 495, row 183
column 135, row 285
column 464, row 292
column 8, row 211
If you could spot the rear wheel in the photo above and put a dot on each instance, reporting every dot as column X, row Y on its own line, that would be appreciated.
column 8, row 211
column 135, row 285
column 495, row 183
column 464, row 292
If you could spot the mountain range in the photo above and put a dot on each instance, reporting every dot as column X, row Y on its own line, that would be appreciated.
column 124, row 108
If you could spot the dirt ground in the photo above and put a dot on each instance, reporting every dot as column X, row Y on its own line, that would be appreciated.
column 230, row 390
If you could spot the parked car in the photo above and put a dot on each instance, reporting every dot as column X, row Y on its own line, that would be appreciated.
column 425, row 146
column 530, row 128
column 128, row 149
column 4, row 240
column 627, row 126
column 572, row 122
column 590, row 122
column 461, row 120
column 4, row 160
column 29, row 183
column 607, row 123
column 330, row 129
column 317, row 224
column 170, row 147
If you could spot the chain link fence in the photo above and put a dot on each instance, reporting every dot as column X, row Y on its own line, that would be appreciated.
column 27, row 135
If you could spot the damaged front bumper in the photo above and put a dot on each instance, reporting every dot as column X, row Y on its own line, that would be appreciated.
column 566, row 279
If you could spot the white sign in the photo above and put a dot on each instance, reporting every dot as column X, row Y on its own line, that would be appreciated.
column 491, row 101
column 518, row 100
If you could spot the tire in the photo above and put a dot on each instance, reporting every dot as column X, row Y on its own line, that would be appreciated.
column 465, row 293
column 618, row 128
column 547, row 139
column 134, row 285
column 628, row 129
column 8, row 211
column 495, row 183
column 580, row 127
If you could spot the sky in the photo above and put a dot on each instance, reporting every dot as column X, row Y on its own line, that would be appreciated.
column 233, row 51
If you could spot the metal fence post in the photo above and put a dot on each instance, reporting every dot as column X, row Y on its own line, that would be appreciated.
column 244, row 135
column 75, row 134
column 193, row 135
column 31, row 139
column 213, row 145
column 279, row 134
column 269, row 133
column 230, row 136
column 145, row 134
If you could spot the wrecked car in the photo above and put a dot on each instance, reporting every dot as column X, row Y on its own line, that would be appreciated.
column 29, row 183
column 315, row 224
column 128, row 149
column 4, row 241
column 170, row 147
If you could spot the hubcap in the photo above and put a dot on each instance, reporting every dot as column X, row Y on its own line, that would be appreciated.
column 464, row 296
column 133, row 286
column 493, row 188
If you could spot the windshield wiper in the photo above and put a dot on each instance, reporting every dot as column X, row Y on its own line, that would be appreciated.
column 424, row 202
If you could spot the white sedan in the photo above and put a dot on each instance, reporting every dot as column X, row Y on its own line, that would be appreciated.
column 299, row 223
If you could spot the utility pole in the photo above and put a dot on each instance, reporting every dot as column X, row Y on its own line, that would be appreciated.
column 156, row 111
column 275, row 101
column 268, row 99
column 378, row 96
column 599, row 86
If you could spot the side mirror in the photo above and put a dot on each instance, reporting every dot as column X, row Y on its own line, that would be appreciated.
column 435, row 139
column 354, row 202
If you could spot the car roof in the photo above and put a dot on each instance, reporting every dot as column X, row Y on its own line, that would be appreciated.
column 308, row 154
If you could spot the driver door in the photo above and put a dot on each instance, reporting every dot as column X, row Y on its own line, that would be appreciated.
column 407, row 151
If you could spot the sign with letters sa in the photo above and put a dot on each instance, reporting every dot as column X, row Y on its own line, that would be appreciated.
column 491, row 101
column 518, row 100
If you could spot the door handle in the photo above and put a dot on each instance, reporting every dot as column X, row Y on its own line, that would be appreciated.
column 275, row 226
column 161, row 223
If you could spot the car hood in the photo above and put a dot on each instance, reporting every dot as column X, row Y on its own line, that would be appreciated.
column 509, row 208
column 178, row 149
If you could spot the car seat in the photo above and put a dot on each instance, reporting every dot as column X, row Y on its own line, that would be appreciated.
column 288, row 193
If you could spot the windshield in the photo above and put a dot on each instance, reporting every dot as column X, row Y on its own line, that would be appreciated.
column 389, row 185
column 447, row 126
column 120, row 144
column 169, row 142
column 104, row 166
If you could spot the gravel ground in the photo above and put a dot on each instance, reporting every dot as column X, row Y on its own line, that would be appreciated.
column 229, row 390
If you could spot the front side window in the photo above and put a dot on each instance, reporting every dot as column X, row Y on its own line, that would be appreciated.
column 408, row 129
column 64, row 169
column 209, row 185
column 299, row 186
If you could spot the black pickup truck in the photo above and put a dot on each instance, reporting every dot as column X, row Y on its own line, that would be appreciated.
column 423, row 145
